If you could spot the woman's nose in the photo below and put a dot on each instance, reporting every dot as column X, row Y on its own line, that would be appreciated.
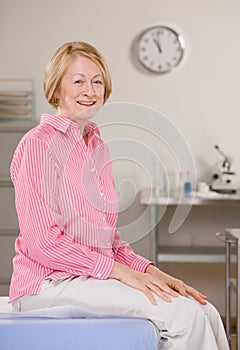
column 88, row 89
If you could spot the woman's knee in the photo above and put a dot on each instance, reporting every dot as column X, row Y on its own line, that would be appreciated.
column 210, row 310
column 190, row 310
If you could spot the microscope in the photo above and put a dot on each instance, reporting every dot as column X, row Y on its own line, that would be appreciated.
column 224, row 179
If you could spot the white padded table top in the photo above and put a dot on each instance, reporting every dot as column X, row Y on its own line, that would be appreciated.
column 72, row 328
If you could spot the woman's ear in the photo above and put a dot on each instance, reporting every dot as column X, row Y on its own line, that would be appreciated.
column 55, row 102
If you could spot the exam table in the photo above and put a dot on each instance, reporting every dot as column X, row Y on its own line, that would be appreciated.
column 71, row 328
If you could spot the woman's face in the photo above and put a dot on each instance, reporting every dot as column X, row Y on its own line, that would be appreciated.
column 81, row 92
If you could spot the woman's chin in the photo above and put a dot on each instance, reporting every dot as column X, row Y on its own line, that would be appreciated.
column 86, row 114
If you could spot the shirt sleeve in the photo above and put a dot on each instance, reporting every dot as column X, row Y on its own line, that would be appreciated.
column 124, row 254
column 35, row 175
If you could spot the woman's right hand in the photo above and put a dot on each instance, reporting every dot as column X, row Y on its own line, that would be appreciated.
column 144, row 282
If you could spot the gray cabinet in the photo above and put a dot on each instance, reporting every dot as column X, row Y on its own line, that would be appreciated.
column 16, row 118
column 10, row 136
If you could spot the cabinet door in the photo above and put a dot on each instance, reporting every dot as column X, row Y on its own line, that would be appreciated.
column 8, row 216
column 8, row 144
column 7, row 240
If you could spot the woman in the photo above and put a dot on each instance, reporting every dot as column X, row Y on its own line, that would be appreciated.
column 69, row 250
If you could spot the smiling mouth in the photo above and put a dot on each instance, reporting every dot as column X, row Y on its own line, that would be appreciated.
column 86, row 103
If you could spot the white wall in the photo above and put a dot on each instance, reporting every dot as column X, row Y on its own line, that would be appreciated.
column 200, row 97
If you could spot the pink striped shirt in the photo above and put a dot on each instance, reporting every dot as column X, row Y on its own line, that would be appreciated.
column 67, row 207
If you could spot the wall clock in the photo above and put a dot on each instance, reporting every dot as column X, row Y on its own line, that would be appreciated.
column 160, row 49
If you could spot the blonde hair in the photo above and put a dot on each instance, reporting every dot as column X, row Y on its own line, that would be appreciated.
column 61, row 61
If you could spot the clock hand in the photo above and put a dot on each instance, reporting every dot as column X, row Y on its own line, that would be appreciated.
column 157, row 44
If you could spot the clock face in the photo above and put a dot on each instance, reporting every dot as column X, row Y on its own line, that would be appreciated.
column 160, row 49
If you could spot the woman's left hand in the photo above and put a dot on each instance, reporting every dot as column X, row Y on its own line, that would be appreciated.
column 176, row 284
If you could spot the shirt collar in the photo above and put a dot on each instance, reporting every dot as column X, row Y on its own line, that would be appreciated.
column 63, row 124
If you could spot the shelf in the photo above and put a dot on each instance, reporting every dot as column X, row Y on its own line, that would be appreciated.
column 5, row 182
column 193, row 199
column 9, row 232
column 17, row 105
column 5, row 280
column 16, row 99
column 191, row 254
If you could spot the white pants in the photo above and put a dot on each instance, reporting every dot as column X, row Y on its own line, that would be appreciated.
column 187, row 325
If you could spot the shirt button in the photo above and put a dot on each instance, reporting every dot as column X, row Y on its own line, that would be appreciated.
column 99, row 275
column 101, row 194
column 93, row 169
column 104, row 219
column 109, row 244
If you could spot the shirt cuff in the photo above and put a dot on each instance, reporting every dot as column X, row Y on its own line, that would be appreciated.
column 103, row 267
column 140, row 264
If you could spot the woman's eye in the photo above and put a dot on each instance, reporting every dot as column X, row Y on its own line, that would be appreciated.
column 78, row 82
column 98, row 82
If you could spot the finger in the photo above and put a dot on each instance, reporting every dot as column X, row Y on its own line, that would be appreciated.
column 202, row 295
column 164, row 297
column 201, row 298
column 150, row 296
column 169, row 291
column 163, row 287
column 194, row 291
column 182, row 291
column 186, row 290
column 161, row 294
